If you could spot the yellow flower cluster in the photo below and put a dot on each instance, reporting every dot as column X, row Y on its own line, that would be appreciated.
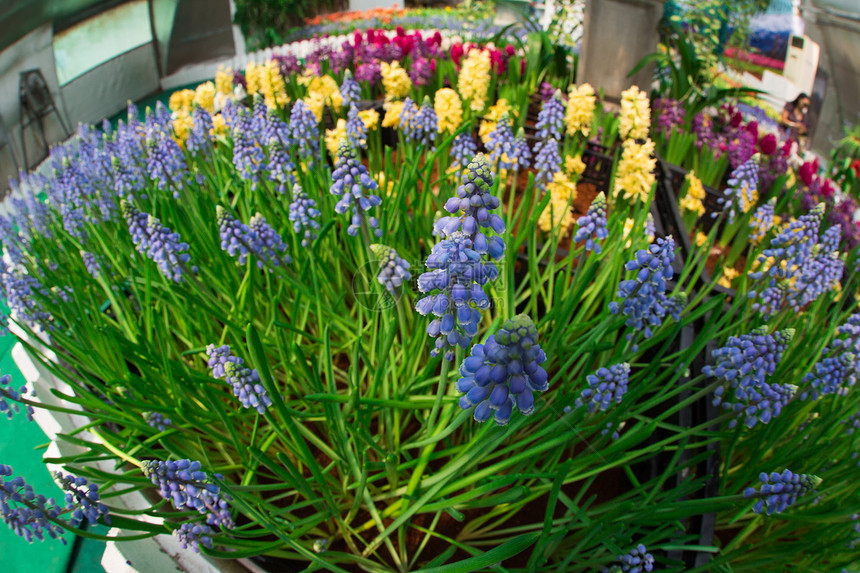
column 387, row 186
column 635, row 119
column 474, row 79
column 219, row 125
column 392, row 114
column 557, row 213
column 635, row 174
column 370, row 119
column 395, row 80
column 322, row 91
column 333, row 137
column 224, row 81
column 492, row 117
column 266, row 80
column 449, row 110
column 729, row 274
column 701, row 239
column 182, row 125
column 580, row 109
column 574, row 165
column 204, row 96
column 692, row 201
column 181, row 101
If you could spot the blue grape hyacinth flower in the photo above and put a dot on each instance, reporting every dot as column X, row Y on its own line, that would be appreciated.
column 463, row 150
column 188, row 487
column 779, row 491
column 421, row 126
column 503, row 373
column 606, row 386
column 501, row 143
column 744, row 364
column 547, row 162
column 591, row 227
column 245, row 381
column 637, row 561
column 305, row 131
column 349, row 89
column 742, row 191
column 26, row 512
column 304, row 214
column 350, row 181
column 7, row 392
column 644, row 297
column 256, row 238
column 82, row 500
column 393, row 270
column 193, row 534
column 157, row 242
column 550, row 123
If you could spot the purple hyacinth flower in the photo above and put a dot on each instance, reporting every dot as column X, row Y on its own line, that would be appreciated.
column 28, row 514
column 304, row 214
column 591, row 227
column 350, row 182
column 779, row 491
column 606, row 386
column 82, row 500
column 188, row 487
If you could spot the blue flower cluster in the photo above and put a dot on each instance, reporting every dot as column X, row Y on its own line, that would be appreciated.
column 157, row 242
column 762, row 221
column 463, row 150
column 522, row 155
column 547, row 162
column 350, row 181
column 422, row 125
column 249, row 156
column 393, row 270
column 257, row 238
column 245, row 381
column 91, row 263
column 407, row 112
column 201, row 127
column 27, row 514
column 797, row 268
column 744, row 363
column 305, row 131
column 607, row 385
column 349, row 89
column 837, row 369
column 645, row 302
column 356, row 132
column 82, row 500
column 21, row 292
column 550, row 123
column 194, row 534
column 780, row 491
column 183, row 483
column 165, row 162
column 504, row 372
column 501, row 143
column 157, row 420
column 637, row 561
column 7, row 392
column 591, row 227
column 303, row 214
column 742, row 188
column 280, row 166
column 462, row 263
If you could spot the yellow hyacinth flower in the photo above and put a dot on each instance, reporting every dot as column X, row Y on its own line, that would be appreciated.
column 392, row 114
column 204, row 96
column 729, row 274
column 181, row 101
column 219, row 125
column 574, row 165
column 557, row 212
column 635, row 173
column 692, row 201
column 701, row 239
column 395, row 80
column 272, row 85
column 370, row 118
column 449, row 110
column 580, row 109
column 634, row 121
column 474, row 79
column 252, row 78
column 492, row 117
column 316, row 103
column 224, row 81
column 333, row 137
column 182, row 124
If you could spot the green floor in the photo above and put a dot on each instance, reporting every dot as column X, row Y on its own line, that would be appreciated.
column 21, row 446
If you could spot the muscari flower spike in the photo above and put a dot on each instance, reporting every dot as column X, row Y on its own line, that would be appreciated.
column 645, row 301
column 762, row 221
column 501, row 143
column 349, row 89
column 463, row 150
column 522, row 155
column 245, row 381
column 356, row 132
column 20, row 291
column 257, row 238
column 157, row 420
column 82, row 500
column 279, row 139
column 637, row 561
column 550, row 121
column 744, row 363
column 592, row 225
column 188, row 487
column 305, row 131
column 303, row 214
column 838, row 369
column 504, row 372
column 8, row 392
column 194, row 534
column 606, row 386
column 547, row 162
column 25, row 512
column 393, row 270
column 742, row 191
column 780, row 491
column 157, row 242
column 198, row 137
column 91, row 263
column 422, row 125
column 350, row 181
